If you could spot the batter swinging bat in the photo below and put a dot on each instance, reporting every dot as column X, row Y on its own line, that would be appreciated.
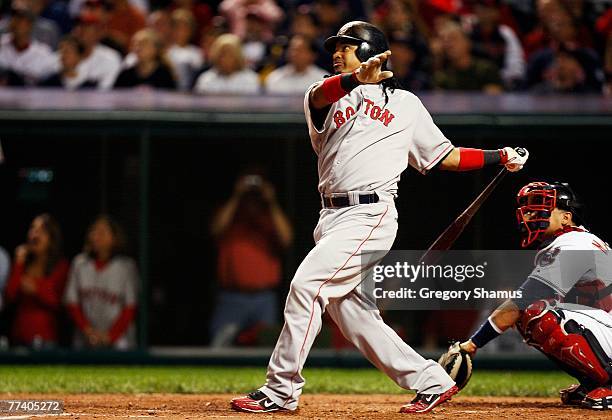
column 452, row 232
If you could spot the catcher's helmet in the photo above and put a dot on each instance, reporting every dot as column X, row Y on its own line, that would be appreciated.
column 369, row 39
column 541, row 198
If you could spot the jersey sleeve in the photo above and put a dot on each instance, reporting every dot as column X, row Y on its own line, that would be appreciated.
column 316, row 132
column 428, row 146
column 561, row 267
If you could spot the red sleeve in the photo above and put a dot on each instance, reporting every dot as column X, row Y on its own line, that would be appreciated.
column 14, row 283
column 122, row 323
column 51, row 289
column 78, row 316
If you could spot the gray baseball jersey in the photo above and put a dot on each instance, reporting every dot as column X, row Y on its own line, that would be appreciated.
column 571, row 259
column 362, row 145
column 102, row 295
column 365, row 145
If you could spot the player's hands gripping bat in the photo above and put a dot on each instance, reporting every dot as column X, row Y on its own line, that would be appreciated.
column 517, row 157
column 370, row 71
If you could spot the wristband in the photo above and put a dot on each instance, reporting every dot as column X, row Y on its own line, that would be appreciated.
column 471, row 159
column 485, row 333
column 336, row 87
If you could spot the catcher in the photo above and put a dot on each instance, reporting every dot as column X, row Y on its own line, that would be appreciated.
column 565, row 307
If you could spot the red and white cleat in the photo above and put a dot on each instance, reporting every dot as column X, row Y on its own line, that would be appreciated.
column 424, row 403
column 255, row 402
column 599, row 399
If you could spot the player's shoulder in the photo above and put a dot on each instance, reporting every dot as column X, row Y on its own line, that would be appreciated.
column 578, row 239
column 81, row 260
column 107, row 53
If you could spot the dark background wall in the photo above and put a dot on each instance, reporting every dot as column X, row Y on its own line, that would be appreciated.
column 190, row 171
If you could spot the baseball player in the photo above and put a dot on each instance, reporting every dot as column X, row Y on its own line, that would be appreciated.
column 565, row 306
column 365, row 131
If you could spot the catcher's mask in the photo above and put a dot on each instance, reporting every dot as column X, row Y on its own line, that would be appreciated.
column 539, row 199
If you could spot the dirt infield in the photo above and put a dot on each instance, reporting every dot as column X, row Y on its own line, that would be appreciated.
column 173, row 406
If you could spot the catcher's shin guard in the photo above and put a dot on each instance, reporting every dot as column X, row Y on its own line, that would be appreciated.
column 568, row 343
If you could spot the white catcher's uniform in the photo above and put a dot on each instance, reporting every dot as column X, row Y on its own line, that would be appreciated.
column 364, row 145
column 573, row 259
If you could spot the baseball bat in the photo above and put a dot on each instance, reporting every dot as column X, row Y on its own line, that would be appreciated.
column 454, row 230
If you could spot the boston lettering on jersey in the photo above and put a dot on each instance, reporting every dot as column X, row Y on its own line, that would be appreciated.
column 375, row 112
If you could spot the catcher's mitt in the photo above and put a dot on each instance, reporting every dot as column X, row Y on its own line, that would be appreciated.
column 458, row 364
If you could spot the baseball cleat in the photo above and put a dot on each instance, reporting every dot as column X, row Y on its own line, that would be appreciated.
column 255, row 402
column 599, row 399
column 424, row 403
column 573, row 394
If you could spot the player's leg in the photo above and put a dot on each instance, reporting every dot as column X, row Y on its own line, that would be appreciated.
column 596, row 326
column 331, row 270
column 579, row 342
column 361, row 323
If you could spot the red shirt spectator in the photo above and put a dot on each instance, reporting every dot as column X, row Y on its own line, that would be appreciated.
column 37, row 284
column 249, row 256
column 38, row 301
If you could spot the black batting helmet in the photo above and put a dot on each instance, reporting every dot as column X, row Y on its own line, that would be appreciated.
column 541, row 198
column 369, row 39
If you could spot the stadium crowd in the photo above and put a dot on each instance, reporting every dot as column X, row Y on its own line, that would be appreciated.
column 276, row 46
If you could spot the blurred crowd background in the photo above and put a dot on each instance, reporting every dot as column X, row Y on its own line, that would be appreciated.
column 275, row 46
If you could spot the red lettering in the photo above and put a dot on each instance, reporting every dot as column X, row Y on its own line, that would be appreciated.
column 386, row 118
column 349, row 112
column 339, row 119
column 375, row 113
column 369, row 104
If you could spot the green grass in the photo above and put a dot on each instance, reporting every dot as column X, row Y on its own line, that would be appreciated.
column 197, row 379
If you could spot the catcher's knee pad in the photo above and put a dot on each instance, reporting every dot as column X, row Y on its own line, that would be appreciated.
column 569, row 343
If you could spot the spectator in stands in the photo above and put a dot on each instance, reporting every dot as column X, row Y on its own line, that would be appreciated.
column 238, row 12
column 124, row 21
column 151, row 69
column 461, row 70
column 43, row 30
column 5, row 269
column 24, row 59
column 185, row 57
column 99, row 64
column 102, row 290
column 201, row 11
column 57, row 11
column 36, row 285
column 161, row 22
column 400, row 19
column 407, row 64
column 208, row 37
column 566, row 71
column 299, row 73
column 558, row 27
column 229, row 74
column 497, row 42
column 306, row 23
column 251, row 231
column 330, row 15
column 69, row 77
column 255, row 43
